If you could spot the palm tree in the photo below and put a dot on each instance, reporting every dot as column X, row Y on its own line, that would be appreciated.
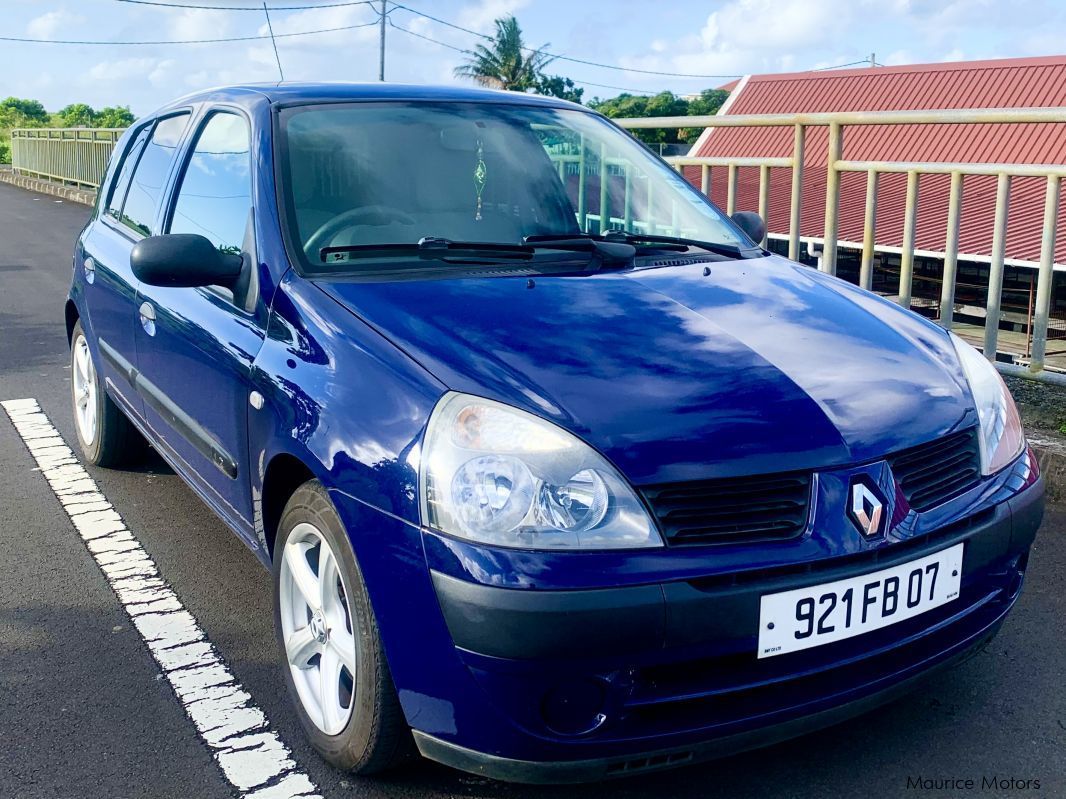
column 505, row 64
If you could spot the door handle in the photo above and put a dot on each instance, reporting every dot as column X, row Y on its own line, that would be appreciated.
column 147, row 315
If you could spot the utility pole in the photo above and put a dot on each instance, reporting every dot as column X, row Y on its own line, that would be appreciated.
column 873, row 59
column 381, row 65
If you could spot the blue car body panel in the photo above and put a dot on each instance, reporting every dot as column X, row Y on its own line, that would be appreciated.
column 759, row 367
column 829, row 375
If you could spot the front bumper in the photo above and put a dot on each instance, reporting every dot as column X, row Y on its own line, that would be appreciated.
column 607, row 682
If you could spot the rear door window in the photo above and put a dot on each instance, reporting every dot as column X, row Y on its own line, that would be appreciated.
column 120, row 185
column 142, row 198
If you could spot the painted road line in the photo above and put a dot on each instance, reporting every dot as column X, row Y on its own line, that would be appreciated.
column 252, row 757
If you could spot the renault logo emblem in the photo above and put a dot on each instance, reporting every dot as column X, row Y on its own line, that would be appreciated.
column 865, row 509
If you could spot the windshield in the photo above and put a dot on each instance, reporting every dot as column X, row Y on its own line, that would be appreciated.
column 359, row 174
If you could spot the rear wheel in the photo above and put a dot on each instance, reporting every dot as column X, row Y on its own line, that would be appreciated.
column 333, row 661
column 105, row 435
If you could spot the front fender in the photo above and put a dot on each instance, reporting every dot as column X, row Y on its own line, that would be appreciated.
column 341, row 399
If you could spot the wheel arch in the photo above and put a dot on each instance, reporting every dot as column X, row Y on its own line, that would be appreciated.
column 72, row 316
column 284, row 474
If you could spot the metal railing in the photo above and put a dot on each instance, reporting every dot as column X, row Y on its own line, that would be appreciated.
column 70, row 155
column 836, row 165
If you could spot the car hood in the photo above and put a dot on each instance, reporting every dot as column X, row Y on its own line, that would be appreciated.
column 760, row 366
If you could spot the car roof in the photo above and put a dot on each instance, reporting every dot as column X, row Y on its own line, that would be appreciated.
column 286, row 93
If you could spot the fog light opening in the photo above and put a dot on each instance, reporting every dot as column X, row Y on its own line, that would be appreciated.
column 575, row 707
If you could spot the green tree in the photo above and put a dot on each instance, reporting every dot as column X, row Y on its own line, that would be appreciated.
column 29, row 112
column 16, row 112
column 118, row 116
column 709, row 101
column 660, row 105
column 664, row 104
column 506, row 63
column 76, row 115
column 557, row 86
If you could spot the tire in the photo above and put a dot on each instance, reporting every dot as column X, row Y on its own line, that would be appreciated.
column 106, row 437
column 365, row 730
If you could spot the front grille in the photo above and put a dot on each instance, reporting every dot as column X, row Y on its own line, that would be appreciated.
column 732, row 510
column 933, row 473
column 775, row 507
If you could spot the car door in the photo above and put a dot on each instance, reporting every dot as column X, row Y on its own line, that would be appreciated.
column 110, row 288
column 195, row 355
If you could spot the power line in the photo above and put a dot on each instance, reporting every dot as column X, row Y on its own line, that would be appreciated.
column 469, row 52
column 243, row 8
column 616, row 88
column 428, row 39
column 188, row 41
column 841, row 66
column 273, row 41
column 563, row 57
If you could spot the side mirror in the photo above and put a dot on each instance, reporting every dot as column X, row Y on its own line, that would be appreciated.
column 752, row 224
column 183, row 260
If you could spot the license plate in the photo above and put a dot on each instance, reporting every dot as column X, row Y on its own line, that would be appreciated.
column 820, row 614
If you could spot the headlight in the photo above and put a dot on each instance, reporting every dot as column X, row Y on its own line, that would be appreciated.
column 498, row 475
column 1002, row 439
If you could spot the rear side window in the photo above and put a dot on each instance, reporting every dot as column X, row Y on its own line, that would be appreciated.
column 215, row 195
column 142, row 198
column 121, row 183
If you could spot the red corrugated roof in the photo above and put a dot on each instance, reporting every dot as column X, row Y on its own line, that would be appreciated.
column 1007, row 83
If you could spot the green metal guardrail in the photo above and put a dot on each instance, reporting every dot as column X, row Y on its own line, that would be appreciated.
column 69, row 155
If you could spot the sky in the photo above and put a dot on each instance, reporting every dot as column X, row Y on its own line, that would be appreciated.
column 715, row 39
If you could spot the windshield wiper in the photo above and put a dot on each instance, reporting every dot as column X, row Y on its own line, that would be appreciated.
column 611, row 252
column 719, row 248
column 429, row 248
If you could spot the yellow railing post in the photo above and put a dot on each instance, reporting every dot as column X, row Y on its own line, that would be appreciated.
column 582, row 203
column 951, row 252
column 764, row 201
column 705, row 180
column 605, row 221
column 1042, row 310
column 906, row 259
column 832, row 198
column 799, row 135
column 731, row 191
column 995, row 270
column 866, row 269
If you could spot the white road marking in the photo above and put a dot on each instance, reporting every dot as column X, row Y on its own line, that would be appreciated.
column 252, row 757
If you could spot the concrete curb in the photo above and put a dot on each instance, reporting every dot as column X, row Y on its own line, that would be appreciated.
column 1051, row 455
column 72, row 193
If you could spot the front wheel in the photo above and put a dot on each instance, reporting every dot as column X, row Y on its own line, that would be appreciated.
column 333, row 661
column 105, row 435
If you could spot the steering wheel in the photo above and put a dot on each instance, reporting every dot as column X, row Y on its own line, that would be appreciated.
column 367, row 215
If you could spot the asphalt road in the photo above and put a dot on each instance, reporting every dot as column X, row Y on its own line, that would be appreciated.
column 84, row 711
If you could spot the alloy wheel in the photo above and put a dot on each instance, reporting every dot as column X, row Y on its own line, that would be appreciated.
column 317, row 629
column 83, row 387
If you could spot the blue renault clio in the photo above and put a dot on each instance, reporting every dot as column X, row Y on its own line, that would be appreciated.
column 560, row 474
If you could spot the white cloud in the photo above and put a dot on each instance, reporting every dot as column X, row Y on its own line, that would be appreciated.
column 745, row 36
column 188, row 24
column 482, row 16
column 47, row 25
column 710, row 37
column 123, row 70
